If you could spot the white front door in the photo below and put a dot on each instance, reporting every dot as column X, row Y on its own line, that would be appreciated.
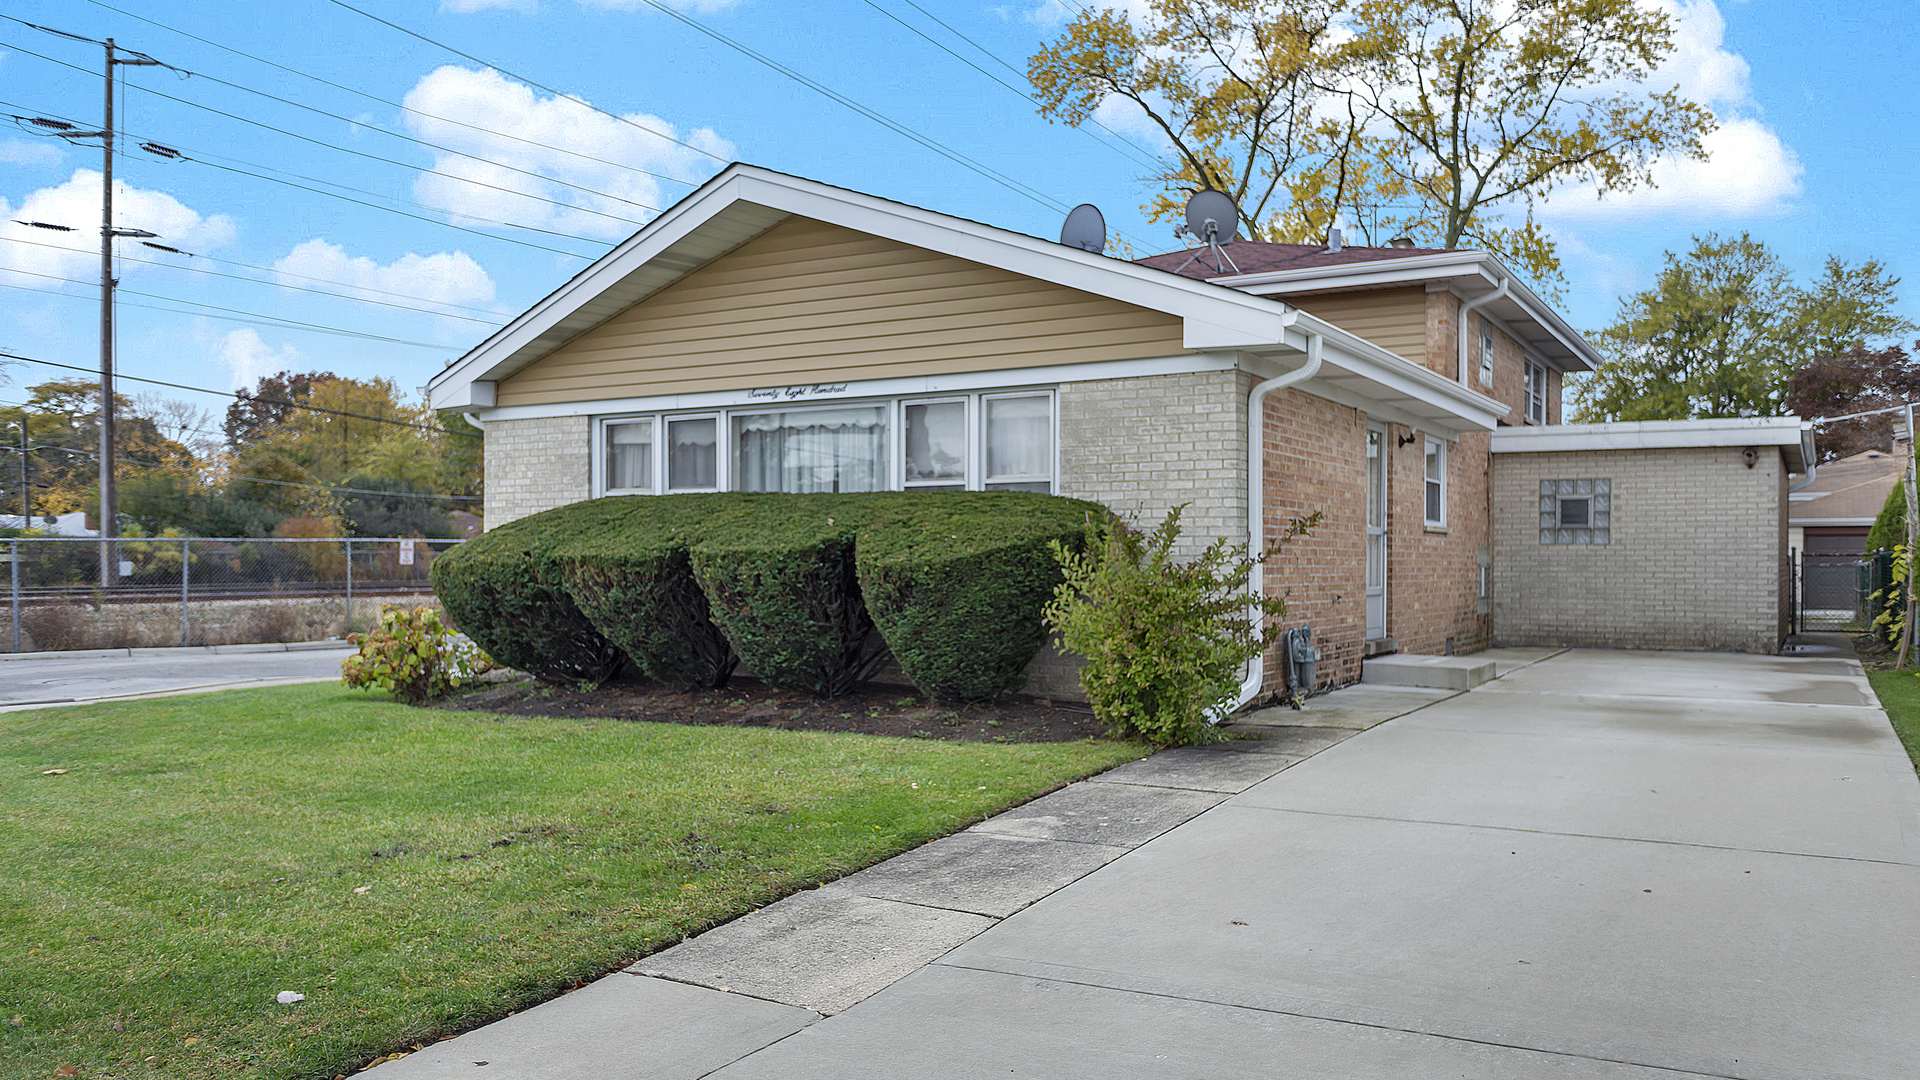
column 1376, row 533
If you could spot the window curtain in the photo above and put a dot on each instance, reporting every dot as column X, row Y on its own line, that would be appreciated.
column 692, row 449
column 816, row 450
column 630, row 456
column 1018, row 437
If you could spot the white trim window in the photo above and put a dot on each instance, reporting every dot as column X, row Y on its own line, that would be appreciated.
column 997, row 440
column 1436, row 488
column 1536, row 403
column 1486, row 353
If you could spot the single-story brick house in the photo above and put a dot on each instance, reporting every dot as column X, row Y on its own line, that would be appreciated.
column 773, row 333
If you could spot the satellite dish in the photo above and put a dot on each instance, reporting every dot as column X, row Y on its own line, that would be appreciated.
column 1085, row 229
column 1212, row 217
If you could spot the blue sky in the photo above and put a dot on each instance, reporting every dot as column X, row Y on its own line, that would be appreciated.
column 1814, row 157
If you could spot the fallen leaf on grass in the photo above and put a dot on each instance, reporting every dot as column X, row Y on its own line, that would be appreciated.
column 288, row 997
column 363, row 888
column 15, row 1022
column 57, row 772
column 66, row 1070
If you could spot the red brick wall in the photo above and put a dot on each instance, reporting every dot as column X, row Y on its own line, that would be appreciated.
column 1316, row 455
column 1433, row 574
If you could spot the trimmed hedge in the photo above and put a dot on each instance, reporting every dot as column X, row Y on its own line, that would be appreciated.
column 958, row 594
column 627, row 566
column 811, row 592
column 501, row 591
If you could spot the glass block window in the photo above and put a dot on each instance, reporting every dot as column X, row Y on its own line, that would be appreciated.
column 1576, row 511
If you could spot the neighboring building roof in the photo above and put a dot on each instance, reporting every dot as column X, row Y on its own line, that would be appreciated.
column 744, row 201
column 1850, row 491
column 1282, row 270
column 1791, row 434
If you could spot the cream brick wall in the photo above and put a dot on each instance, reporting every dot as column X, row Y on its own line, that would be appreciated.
column 1142, row 446
column 535, row 465
column 1693, row 564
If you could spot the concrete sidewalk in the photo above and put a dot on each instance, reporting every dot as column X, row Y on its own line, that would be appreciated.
column 1602, row 864
column 41, row 680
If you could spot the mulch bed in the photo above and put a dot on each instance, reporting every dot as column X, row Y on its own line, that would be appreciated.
column 872, row 710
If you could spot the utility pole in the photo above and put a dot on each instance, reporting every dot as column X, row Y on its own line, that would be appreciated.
column 109, row 503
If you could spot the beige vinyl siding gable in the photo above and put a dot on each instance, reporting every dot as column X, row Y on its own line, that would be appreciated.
column 1394, row 319
column 811, row 302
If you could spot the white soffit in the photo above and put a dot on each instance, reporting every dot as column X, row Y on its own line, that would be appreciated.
column 1791, row 434
column 1387, row 386
column 744, row 201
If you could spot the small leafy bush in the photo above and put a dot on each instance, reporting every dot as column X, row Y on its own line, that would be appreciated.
column 1164, row 641
column 502, row 590
column 413, row 656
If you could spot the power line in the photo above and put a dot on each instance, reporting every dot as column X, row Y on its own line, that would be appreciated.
column 263, row 480
column 397, row 105
column 256, row 281
column 371, row 157
column 522, row 78
column 267, row 320
column 1150, row 161
column 263, row 400
column 937, row 147
column 387, row 209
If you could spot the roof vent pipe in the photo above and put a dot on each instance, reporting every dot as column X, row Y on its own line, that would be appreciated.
column 1256, row 495
column 1333, row 239
column 1467, row 308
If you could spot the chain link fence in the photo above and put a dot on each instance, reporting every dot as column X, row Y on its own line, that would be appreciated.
column 167, row 591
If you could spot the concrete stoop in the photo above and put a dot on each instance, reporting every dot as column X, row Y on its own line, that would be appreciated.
column 1438, row 672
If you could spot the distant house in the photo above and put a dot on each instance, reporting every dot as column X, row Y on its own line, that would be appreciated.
column 1833, row 514
column 771, row 333
column 73, row 524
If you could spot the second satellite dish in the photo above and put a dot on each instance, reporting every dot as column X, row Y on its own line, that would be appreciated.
column 1212, row 217
column 1085, row 229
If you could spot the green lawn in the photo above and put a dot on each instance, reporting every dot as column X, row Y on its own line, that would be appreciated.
column 413, row 873
column 1900, row 695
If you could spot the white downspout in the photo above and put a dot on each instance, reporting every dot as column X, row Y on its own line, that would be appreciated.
column 1256, row 494
column 1468, row 308
column 1806, row 453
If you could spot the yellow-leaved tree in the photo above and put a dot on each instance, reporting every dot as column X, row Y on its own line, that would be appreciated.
column 1449, row 121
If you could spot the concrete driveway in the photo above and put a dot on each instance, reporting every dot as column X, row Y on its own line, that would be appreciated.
column 31, row 680
column 1601, row 865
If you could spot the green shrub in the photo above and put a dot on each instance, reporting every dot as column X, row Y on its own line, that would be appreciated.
column 808, row 591
column 956, row 583
column 1164, row 641
column 631, row 575
column 502, row 590
column 784, row 591
column 412, row 656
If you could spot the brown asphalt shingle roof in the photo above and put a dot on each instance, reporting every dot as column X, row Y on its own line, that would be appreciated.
column 1852, row 488
column 1258, row 257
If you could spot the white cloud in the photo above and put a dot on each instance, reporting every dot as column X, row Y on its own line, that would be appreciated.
column 1700, row 64
column 486, row 100
column 1748, row 172
column 446, row 277
column 76, row 204
column 30, row 152
column 248, row 357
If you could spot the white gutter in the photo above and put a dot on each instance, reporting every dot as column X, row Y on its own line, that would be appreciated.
column 1256, row 495
column 1807, row 455
column 1466, row 309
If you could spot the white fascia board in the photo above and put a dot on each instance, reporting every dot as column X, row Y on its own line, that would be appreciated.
column 910, row 386
column 1224, row 318
column 1783, row 431
column 1818, row 523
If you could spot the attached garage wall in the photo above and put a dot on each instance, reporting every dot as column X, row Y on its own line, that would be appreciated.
column 809, row 302
column 1694, row 560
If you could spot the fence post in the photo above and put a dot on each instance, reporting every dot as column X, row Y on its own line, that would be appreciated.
column 347, row 622
column 185, row 576
column 13, row 563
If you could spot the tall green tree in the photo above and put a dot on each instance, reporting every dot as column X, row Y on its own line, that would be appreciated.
column 1724, row 330
column 1447, row 120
